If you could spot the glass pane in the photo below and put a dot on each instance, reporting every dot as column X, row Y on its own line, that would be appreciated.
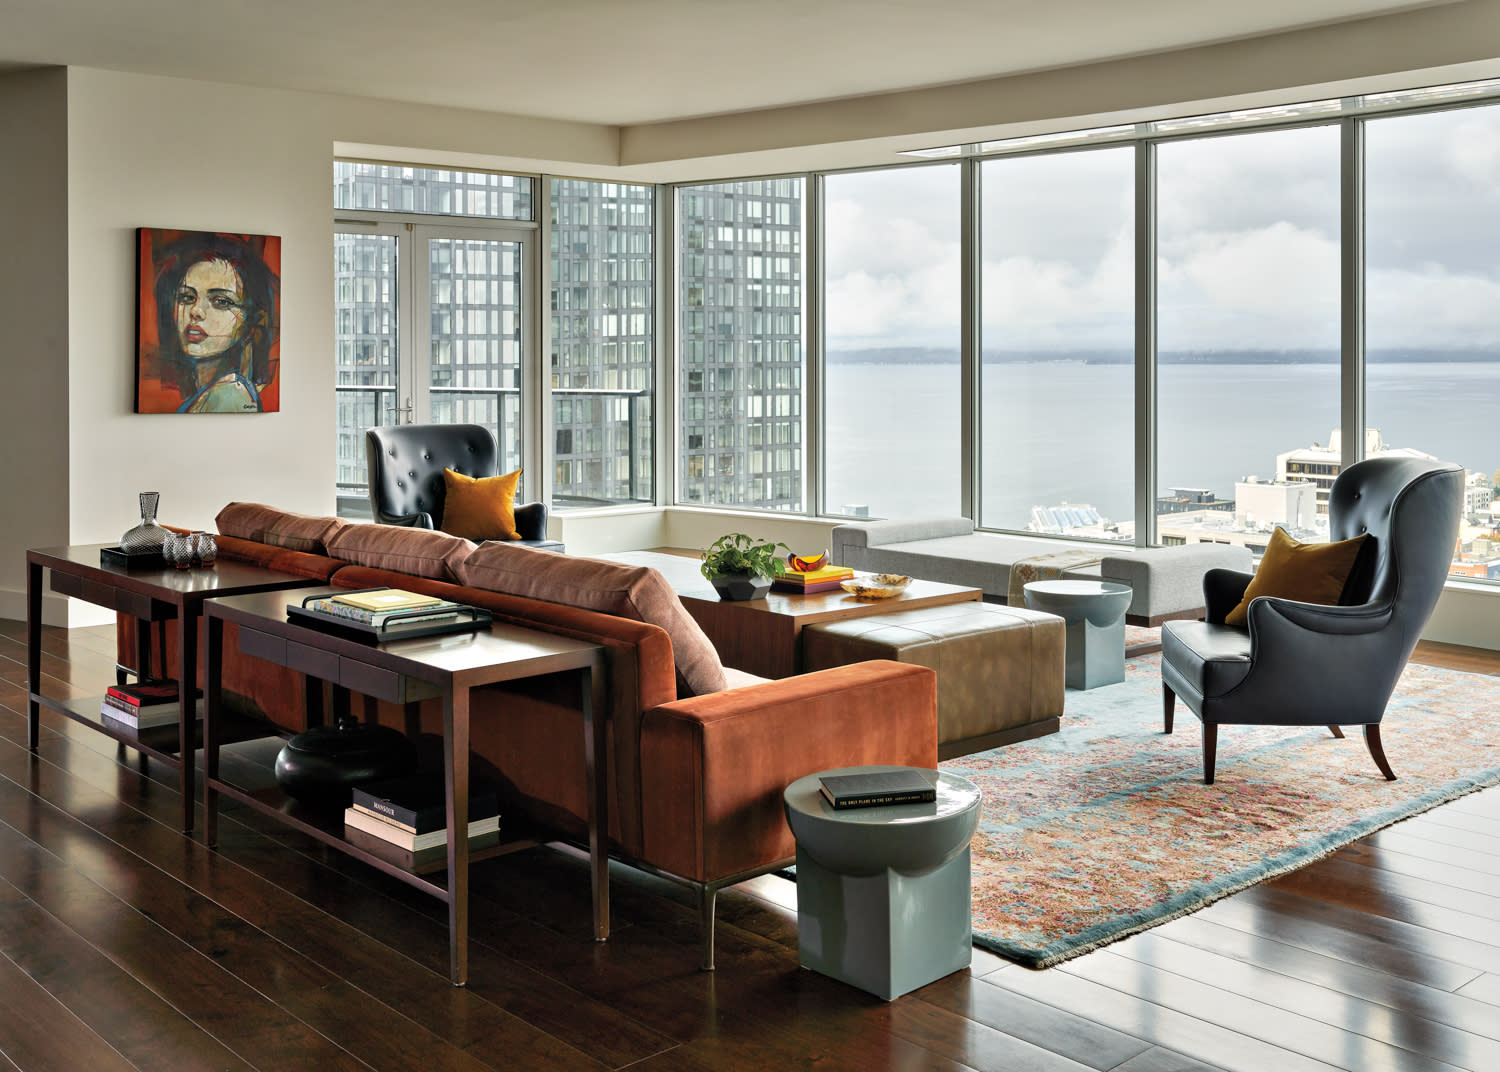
column 740, row 344
column 1432, row 288
column 1058, row 318
column 438, row 191
column 475, row 288
column 365, row 354
column 603, row 368
column 892, row 342
column 1248, row 335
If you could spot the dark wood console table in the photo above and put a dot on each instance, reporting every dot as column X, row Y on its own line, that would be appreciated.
column 150, row 595
column 406, row 672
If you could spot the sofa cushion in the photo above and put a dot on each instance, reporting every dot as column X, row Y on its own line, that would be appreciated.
column 636, row 592
column 421, row 552
column 279, row 528
column 481, row 508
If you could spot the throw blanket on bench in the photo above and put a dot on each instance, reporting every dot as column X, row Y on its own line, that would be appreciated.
column 1046, row 567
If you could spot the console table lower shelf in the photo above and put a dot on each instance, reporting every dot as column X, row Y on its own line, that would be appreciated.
column 445, row 668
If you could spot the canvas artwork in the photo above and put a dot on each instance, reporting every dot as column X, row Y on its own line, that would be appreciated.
column 209, row 309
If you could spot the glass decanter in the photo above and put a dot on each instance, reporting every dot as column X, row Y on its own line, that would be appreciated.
column 148, row 536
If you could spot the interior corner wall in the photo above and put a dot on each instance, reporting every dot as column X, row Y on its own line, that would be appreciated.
column 157, row 152
column 34, row 310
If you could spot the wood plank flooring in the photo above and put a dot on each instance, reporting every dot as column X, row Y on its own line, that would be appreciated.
column 124, row 945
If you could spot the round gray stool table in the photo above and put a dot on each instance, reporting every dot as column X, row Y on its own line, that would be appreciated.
column 883, row 895
column 1095, row 615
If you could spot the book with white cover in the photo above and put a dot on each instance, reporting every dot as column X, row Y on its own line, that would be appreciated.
column 373, row 824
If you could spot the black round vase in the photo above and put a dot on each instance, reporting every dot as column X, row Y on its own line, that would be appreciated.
column 322, row 765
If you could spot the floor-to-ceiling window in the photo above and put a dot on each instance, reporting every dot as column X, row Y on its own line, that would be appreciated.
column 1248, row 333
column 603, row 355
column 892, row 308
column 740, row 344
column 433, row 272
column 1057, row 424
column 1432, row 283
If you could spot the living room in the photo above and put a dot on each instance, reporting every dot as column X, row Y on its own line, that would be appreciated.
column 101, row 146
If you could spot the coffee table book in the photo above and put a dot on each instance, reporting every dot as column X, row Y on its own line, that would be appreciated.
column 424, row 861
column 417, row 803
column 395, row 625
column 402, row 838
column 883, row 788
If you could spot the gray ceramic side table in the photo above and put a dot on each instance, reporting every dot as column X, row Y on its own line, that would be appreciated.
column 883, row 897
column 1095, row 615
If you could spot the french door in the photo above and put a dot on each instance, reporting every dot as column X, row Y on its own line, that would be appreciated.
column 435, row 325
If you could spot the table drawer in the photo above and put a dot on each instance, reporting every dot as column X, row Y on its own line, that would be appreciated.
column 107, row 595
column 312, row 661
column 263, row 646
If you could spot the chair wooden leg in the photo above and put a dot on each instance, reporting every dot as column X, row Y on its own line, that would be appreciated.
column 1169, row 701
column 1377, row 753
column 1338, row 731
column 1210, row 749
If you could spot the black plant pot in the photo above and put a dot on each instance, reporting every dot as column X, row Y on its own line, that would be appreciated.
column 741, row 585
column 321, row 766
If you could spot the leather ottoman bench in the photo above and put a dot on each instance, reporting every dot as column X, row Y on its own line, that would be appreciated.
column 1000, row 669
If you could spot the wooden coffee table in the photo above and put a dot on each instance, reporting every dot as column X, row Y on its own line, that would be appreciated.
column 763, row 636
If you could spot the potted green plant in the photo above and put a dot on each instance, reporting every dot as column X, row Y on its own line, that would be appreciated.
column 740, row 567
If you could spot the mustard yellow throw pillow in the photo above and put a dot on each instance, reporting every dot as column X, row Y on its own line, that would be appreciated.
column 1306, row 572
column 482, row 508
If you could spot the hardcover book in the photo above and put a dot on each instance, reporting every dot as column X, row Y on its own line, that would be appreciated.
column 143, row 719
column 419, row 860
column 385, row 599
column 417, row 802
column 145, row 693
column 906, row 786
column 400, row 836
column 436, row 611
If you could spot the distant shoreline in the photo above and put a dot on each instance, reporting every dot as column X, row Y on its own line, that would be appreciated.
column 920, row 356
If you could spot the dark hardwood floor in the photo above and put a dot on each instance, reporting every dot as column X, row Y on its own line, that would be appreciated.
column 124, row 945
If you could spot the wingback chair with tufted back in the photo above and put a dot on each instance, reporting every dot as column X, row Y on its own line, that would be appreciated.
column 406, row 464
column 1302, row 664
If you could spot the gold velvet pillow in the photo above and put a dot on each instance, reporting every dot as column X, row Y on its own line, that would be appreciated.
column 481, row 508
column 1306, row 572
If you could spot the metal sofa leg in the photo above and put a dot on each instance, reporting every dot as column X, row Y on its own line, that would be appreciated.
column 708, row 896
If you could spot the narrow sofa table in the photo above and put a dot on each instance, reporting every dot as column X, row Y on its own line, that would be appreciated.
column 405, row 672
column 157, row 594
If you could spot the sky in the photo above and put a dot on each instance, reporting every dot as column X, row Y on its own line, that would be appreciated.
column 1248, row 244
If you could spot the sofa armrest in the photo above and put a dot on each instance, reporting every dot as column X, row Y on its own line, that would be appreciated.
column 713, row 767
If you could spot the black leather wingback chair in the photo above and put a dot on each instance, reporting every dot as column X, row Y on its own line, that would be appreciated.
column 1300, row 664
column 406, row 463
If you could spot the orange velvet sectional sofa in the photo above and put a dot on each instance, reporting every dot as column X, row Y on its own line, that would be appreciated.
column 696, row 779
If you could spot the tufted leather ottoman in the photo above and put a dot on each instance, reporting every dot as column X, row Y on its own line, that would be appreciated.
column 1000, row 669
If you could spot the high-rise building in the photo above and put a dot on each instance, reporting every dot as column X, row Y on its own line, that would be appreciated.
column 740, row 344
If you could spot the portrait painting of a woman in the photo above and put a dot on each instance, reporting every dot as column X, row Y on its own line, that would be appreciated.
column 209, row 311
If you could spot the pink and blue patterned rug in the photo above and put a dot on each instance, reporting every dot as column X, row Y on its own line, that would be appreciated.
column 1105, row 828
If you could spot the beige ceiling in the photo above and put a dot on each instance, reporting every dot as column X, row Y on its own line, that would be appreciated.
column 623, row 62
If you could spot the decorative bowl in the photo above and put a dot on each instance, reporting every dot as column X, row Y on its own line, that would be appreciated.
column 876, row 585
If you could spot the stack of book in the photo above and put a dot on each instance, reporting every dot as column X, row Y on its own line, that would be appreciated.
column 409, row 815
column 877, row 788
column 377, row 606
column 819, row 580
column 143, row 705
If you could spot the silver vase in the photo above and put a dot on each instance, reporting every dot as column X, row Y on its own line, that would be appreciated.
column 148, row 536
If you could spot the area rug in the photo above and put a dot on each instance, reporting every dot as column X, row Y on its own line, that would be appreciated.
column 1105, row 828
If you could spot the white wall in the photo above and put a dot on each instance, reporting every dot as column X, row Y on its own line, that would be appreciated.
column 90, row 156
column 34, row 310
